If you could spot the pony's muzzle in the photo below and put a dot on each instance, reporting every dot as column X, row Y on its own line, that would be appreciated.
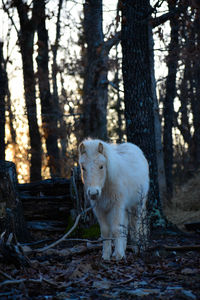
column 93, row 193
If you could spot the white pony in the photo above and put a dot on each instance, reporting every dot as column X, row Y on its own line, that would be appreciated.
column 116, row 181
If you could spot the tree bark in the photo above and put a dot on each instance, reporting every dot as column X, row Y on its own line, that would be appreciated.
column 28, row 27
column 95, row 88
column 158, row 130
column 138, row 73
column 172, row 63
column 95, row 79
column 3, row 92
column 48, row 106
column 59, row 107
column 11, row 213
column 185, row 95
column 196, row 84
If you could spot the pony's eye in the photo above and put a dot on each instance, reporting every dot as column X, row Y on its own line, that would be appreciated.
column 100, row 167
column 83, row 168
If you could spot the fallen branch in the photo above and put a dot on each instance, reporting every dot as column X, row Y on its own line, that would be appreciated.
column 83, row 250
column 66, row 234
column 100, row 240
column 10, row 282
column 183, row 248
column 76, row 250
column 18, row 281
column 130, row 279
column 6, row 275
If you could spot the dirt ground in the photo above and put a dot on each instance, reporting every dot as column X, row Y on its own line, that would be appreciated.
column 169, row 269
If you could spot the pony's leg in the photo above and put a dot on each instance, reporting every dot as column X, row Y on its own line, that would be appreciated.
column 119, row 232
column 107, row 243
column 105, row 233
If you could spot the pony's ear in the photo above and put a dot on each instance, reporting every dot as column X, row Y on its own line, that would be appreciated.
column 100, row 148
column 82, row 148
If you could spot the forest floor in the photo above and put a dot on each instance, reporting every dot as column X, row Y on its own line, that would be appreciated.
column 169, row 269
column 165, row 271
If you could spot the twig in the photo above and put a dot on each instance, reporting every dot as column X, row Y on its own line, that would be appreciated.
column 115, row 86
column 91, row 241
column 9, row 282
column 66, row 234
column 75, row 190
column 158, row 277
column 77, row 250
column 18, row 281
column 10, row 17
column 130, row 279
column 84, row 250
column 49, row 282
column 182, row 248
column 6, row 275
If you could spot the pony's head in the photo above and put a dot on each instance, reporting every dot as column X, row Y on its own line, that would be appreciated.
column 93, row 167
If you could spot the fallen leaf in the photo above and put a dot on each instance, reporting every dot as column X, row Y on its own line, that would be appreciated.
column 187, row 271
column 102, row 284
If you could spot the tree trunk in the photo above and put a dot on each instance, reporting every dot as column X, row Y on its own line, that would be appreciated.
column 3, row 92
column 11, row 213
column 158, row 131
column 49, row 108
column 185, row 96
column 172, row 63
column 119, row 99
column 95, row 88
column 59, row 107
column 95, row 79
column 26, row 45
column 196, row 84
column 139, row 96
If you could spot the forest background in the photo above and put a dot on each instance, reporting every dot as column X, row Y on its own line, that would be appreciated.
column 72, row 69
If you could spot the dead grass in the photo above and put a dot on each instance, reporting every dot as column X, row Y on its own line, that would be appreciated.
column 185, row 206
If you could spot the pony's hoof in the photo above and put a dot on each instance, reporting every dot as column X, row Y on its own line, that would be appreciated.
column 118, row 256
column 106, row 257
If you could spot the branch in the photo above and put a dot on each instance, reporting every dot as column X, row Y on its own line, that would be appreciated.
column 55, row 48
column 10, row 17
column 112, row 41
column 6, row 275
column 165, row 17
column 183, row 248
column 18, row 281
column 115, row 86
column 66, row 234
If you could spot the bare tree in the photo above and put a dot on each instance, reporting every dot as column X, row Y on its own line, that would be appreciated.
column 3, row 92
column 48, row 103
column 26, row 39
column 195, row 84
column 59, row 107
column 172, row 64
column 139, row 91
column 95, row 94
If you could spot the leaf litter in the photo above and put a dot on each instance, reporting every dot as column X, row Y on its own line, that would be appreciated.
column 78, row 272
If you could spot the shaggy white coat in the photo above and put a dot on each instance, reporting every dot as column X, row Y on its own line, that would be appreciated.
column 116, row 180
